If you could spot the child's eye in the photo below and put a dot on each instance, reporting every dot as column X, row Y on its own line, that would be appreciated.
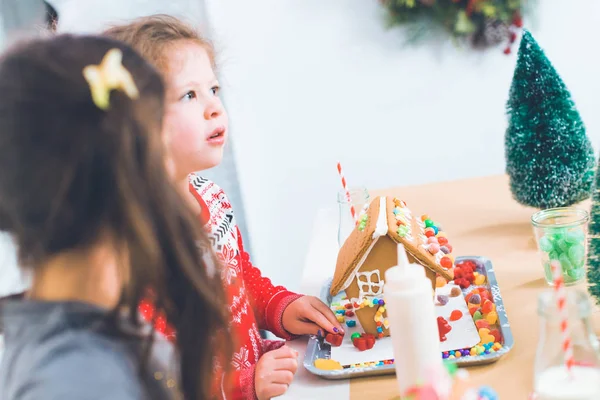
column 215, row 90
column 189, row 96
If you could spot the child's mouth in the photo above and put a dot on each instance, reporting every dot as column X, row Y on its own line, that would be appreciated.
column 217, row 136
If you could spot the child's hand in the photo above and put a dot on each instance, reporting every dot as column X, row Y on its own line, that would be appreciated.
column 308, row 315
column 274, row 372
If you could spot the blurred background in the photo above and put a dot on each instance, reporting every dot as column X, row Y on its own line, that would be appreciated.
column 308, row 83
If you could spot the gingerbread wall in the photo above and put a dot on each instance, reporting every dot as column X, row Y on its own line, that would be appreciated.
column 382, row 257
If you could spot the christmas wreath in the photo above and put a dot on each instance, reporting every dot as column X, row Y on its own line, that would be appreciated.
column 482, row 23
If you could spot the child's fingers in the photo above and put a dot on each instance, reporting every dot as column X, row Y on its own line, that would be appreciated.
column 287, row 364
column 284, row 352
column 307, row 328
column 275, row 389
column 327, row 313
column 283, row 377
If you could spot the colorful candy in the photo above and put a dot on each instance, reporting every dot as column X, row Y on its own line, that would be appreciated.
column 440, row 281
column 567, row 246
column 433, row 248
column 446, row 262
column 350, row 323
column 488, row 307
column 475, row 299
column 443, row 299
column 364, row 341
column 480, row 279
column 455, row 292
column 482, row 323
column 334, row 339
column 443, row 328
column 492, row 317
column 455, row 315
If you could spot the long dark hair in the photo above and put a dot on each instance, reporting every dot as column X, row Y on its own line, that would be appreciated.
column 71, row 172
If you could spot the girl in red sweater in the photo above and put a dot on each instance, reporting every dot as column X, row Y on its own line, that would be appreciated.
column 196, row 125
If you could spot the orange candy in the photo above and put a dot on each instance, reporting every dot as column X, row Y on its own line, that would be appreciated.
column 456, row 315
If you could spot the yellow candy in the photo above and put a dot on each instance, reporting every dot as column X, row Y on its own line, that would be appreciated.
column 328, row 365
column 382, row 309
column 480, row 279
column 451, row 356
column 492, row 317
column 457, row 354
column 473, row 352
column 340, row 318
column 441, row 234
column 440, row 282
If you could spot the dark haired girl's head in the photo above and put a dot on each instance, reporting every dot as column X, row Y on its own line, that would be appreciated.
column 74, row 175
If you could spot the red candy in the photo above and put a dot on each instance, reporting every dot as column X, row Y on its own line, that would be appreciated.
column 443, row 328
column 430, row 233
column 482, row 323
column 462, row 282
column 487, row 307
column 496, row 334
column 456, row 315
column 485, row 295
column 349, row 313
column 334, row 340
column 348, row 306
column 442, row 241
column 446, row 262
column 366, row 341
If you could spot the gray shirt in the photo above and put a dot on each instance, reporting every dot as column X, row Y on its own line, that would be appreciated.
column 63, row 350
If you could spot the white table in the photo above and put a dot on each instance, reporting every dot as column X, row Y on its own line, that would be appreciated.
column 319, row 266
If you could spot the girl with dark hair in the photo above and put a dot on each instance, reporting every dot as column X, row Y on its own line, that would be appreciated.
column 86, row 195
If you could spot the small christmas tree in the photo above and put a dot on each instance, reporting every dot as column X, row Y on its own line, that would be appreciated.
column 593, row 257
column 549, row 158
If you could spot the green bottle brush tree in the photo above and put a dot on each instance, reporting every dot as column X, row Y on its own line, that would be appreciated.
column 549, row 158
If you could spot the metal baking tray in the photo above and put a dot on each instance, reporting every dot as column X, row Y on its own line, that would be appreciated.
column 318, row 349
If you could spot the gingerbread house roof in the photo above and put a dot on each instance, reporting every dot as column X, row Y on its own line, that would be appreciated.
column 391, row 217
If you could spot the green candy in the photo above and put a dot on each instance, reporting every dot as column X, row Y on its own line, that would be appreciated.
column 565, row 262
column 553, row 255
column 402, row 230
column 561, row 246
column 477, row 315
column 576, row 254
column 575, row 236
column 576, row 273
column 429, row 223
column 355, row 335
column 546, row 244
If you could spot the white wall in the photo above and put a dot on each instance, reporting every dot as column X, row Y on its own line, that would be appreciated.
column 310, row 82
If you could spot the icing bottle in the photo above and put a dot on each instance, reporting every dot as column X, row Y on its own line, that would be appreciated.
column 413, row 327
column 552, row 379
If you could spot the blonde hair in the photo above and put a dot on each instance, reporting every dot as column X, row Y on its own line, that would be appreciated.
column 152, row 36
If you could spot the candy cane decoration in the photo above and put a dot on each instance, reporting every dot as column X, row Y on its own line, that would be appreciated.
column 561, row 298
column 348, row 198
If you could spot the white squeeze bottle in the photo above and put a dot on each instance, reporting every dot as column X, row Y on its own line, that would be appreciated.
column 413, row 325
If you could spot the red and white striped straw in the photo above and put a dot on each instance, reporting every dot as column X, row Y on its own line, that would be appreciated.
column 348, row 197
column 561, row 298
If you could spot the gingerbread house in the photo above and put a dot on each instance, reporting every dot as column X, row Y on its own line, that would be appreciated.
column 371, row 249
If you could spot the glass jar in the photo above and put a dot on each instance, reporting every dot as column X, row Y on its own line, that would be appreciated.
column 359, row 197
column 561, row 234
column 552, row 380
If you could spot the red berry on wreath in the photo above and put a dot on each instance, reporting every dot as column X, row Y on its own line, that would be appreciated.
column 507, row 51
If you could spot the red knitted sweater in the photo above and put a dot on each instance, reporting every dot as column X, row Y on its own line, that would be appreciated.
column 254, row 302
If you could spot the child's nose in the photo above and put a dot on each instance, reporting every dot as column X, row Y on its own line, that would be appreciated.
column 213, row 109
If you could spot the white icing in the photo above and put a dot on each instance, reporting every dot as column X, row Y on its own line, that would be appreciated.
column 381, row 228
column 368, row 287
